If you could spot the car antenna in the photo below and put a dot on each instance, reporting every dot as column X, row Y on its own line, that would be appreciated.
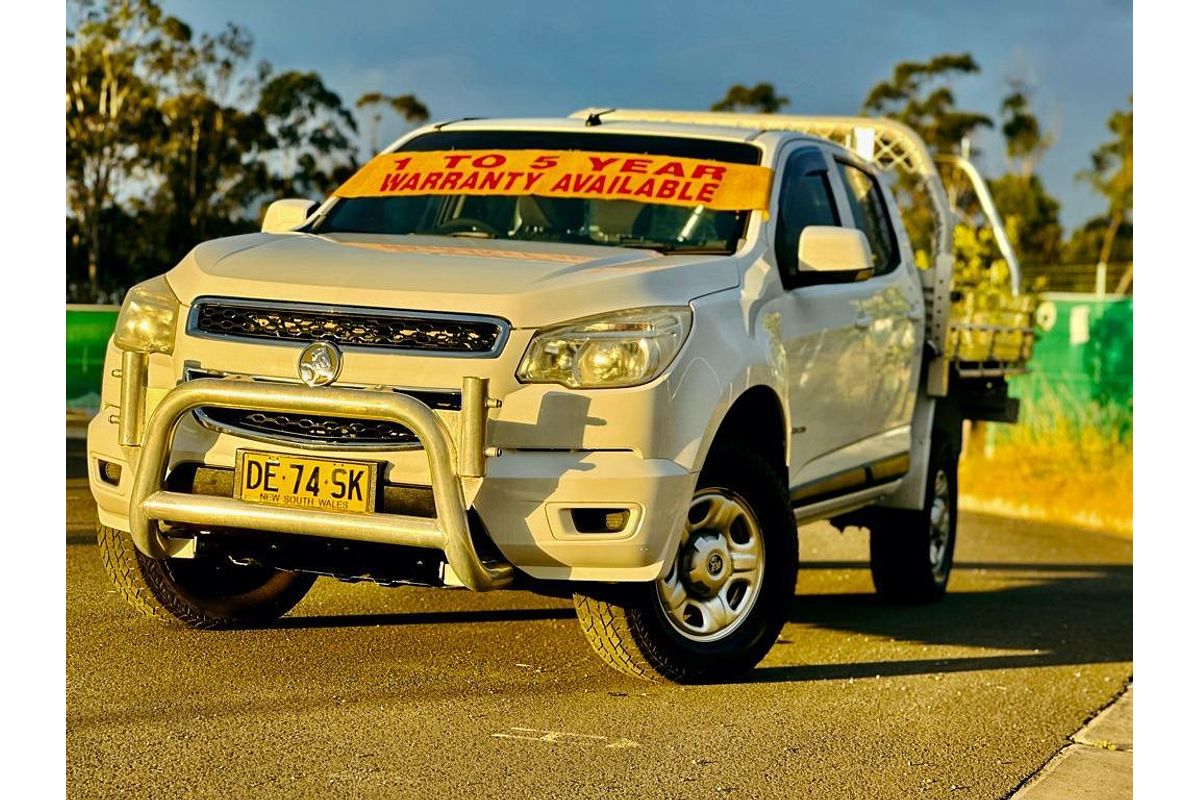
column 593, row 119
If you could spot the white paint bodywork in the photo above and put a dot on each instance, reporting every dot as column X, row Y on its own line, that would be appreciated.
column 827, row 248
column 285, row 215
column 843, row 360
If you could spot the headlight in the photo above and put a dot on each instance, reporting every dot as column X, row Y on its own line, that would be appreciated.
column 146, row 323
column 624, row 348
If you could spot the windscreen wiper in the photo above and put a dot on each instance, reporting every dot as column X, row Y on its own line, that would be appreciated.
column 668, row 247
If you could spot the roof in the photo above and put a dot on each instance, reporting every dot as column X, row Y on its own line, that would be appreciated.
column 579, row 124
column 885, row 142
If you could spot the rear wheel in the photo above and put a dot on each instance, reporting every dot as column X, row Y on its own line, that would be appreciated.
column 912, row 551
column 724, row 598
column 199, row 592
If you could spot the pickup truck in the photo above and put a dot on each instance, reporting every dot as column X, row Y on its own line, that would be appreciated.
column 617, row 356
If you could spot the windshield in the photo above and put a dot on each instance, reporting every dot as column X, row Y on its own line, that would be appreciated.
column 666, row 227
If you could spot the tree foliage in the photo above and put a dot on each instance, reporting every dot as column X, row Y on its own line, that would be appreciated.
column 208, row 167
column 1111, row 173
column 174, row 138
column 1030, row 214
column 1029, row 211
column 1025, row 141
column 403, row 105
column 1111, row 176
column 1087, row 242
column 919, row 95
column 761, row 98
column 111, row 104
column 310, row 131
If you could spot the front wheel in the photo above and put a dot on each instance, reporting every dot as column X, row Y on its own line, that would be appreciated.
column 199, row 592
column 724, row 599
column 912, row 551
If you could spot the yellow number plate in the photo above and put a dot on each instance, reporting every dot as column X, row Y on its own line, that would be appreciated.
column 317, row 483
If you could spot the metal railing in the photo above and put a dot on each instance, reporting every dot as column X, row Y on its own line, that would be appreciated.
column 1082, row 277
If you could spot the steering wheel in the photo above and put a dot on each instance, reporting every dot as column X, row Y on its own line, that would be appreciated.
column 466, row 224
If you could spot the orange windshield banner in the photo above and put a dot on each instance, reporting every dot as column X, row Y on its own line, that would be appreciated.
column 565, row 173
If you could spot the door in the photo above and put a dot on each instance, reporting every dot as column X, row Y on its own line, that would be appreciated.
column 824, row 329
column 894, row 312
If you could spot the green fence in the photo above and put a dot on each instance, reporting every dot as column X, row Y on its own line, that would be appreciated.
column 88, row 331
column 1082, row 367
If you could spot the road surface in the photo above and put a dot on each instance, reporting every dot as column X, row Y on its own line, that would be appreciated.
column 365, row 691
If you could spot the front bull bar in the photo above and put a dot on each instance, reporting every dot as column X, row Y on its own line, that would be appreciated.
column 449, row 531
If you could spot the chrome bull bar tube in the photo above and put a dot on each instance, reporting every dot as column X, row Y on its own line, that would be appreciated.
column 149, row 503
column 133, row 396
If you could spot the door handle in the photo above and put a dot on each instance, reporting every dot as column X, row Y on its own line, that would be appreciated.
column 863, row 321
column 916, row 316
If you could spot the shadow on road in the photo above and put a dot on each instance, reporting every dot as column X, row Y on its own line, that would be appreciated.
column 1057, row 614
column 1044, row 614
column 1052, row 614
column 426, row 618
column 76, row 458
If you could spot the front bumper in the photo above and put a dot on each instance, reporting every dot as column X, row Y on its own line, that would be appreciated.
column 524, row 500
column 449, row 531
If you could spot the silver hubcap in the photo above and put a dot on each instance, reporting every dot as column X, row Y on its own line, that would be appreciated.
column 717, row 575
column 939, row 523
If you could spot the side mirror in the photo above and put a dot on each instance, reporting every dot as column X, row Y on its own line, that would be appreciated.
column 285, row 215
column 829, row 254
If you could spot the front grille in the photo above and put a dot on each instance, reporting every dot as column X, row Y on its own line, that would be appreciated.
column 311, row 428
column 354, row 327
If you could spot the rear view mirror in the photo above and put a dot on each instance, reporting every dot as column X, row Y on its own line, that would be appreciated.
column 286, row 215
column 829, row 254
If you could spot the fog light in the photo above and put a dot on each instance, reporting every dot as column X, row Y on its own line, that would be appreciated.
column 110, row 472
column 599, row 520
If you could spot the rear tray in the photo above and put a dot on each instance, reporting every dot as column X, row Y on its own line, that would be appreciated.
column 1001, row 339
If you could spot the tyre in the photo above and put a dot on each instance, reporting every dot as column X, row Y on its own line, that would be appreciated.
column 724, row 600
column 200, row 592
column 912, row 551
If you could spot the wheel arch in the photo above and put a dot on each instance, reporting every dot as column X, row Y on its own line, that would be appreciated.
column 755, row 418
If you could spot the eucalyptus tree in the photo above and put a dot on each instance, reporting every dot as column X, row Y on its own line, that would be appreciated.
column 1030, row 212
column 918, row 94
column 1111, row 176
column 209, row 165
column 114, row 50
column 1025, row 139
column 311, row 131
column 406, row 106
column 761, row 97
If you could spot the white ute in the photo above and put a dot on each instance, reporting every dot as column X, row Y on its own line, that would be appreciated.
column 616, row 356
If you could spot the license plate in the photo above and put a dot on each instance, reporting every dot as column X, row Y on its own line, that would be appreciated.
column 321, row 484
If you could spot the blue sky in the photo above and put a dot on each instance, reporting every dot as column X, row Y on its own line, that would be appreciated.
column 468, row 58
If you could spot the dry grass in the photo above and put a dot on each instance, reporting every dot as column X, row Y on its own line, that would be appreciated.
column 1073, row 471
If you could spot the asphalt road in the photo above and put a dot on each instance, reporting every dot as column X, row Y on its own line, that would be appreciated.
column 365, row 691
